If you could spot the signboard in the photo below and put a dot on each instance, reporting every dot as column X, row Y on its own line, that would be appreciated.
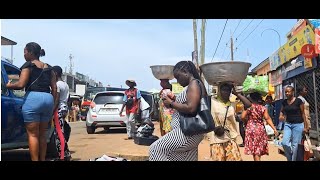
column 81, row 77
column 80, row 89
column 276, row 77
column 296, row 67
column 293, row 47
column 176, row 88
column 300, row 24
column 274, row 61
column 278, row 92
column 317, row 41
column 308, row 51
column 315, row 23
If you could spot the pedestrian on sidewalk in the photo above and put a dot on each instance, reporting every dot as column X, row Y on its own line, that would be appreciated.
column 302, row 93
column 41, row 90
column 131, row 101
column 224, row 147
column 270, row 109
column 176, row 146
column 239, row 109
column 62, row 106
column 256, row 138
column 165, row 113
column 292, row 112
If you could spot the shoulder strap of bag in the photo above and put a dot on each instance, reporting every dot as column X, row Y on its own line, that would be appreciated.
column 34, row 80
column 225, row 117
column 199, row 87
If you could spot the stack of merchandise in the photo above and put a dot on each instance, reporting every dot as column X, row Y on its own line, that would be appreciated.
column 258, row 84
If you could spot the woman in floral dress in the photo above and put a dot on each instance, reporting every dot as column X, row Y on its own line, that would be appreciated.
column 256, row 139
column 165, row 113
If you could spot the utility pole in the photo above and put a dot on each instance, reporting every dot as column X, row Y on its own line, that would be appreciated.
column 203, row 36
column 195, row 36
column 231, row 48
column 202, row 47
column 71, row 64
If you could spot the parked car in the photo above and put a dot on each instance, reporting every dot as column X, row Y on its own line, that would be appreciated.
column 105, row 108
column 104, row 111
column 13, row 131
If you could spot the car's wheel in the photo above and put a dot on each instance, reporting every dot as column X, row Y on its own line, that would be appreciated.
column 91, row 130
column 106, row 128
column 51, row 147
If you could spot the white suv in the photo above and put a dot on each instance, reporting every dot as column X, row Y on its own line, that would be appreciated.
column 104, row 111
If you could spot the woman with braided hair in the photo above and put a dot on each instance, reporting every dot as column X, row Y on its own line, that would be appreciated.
column 175, row 146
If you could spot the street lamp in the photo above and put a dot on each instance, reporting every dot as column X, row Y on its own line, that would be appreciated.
column 274, row 31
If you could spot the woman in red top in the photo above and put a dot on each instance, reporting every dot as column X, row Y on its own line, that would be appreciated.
column 256, row 139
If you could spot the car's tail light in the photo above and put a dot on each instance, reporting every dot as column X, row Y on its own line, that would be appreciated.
column 93, row 106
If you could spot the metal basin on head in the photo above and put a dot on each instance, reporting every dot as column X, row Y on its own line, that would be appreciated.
column 229, row 71
column 162, row 71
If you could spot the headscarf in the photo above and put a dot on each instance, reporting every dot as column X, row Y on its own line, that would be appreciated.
column 219, row 98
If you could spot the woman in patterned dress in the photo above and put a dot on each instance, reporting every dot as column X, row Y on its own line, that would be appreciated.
column 165, row 113
column 175, row 146
column 256, row 139
column 225, row 148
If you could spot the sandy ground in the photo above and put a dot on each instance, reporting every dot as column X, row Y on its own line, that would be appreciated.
column 89, row 146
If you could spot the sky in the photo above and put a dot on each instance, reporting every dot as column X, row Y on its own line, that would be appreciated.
column 113, row 50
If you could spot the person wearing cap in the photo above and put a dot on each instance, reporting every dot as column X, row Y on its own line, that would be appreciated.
column 131, row 101
column 61, row 105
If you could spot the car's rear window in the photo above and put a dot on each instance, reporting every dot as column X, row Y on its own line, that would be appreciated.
column 110, row 98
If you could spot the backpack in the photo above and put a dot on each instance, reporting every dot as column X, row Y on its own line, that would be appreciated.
column 130, row 99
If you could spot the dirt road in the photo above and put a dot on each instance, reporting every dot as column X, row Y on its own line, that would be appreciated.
column 88, row 146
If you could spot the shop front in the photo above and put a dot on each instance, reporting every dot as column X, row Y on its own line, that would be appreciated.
column 302, row 72
column 276, row 82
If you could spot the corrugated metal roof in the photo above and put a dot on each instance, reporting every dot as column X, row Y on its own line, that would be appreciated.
column 6, row 41
column 263, row 63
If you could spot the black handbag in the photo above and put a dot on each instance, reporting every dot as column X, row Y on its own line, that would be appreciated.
column 200, row 123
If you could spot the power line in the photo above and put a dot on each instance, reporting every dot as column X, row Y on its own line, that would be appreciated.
column 228, row 55
column 230, row 39
column 250, row 33
column 225, row 49
column 237, row 27
column 244, row 29
column 225, row 24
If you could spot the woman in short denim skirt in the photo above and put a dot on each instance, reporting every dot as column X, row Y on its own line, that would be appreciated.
column 40, row 83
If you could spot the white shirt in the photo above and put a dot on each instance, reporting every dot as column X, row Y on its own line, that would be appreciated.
column 63, row 90
column 143, row 104
column 306, row 110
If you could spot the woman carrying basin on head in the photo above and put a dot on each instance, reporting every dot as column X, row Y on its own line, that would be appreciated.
column 223, row 147
column 176, row 146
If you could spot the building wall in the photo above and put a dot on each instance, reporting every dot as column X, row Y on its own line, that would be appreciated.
column 263, row 70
